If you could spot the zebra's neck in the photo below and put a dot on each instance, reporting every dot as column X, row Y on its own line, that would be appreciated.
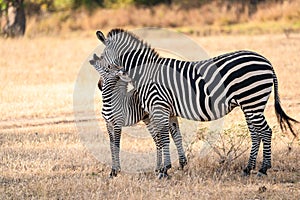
column 116, row 88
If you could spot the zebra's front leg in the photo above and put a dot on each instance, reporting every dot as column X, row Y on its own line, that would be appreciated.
column 117, row 138
column 157, row 141
column 161, row 123
column 177, row 138
column 114, row 151
column 163, row 172
column 158, row 155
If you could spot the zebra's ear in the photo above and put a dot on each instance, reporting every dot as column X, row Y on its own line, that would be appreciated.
column 96, row 57
column 92, row 62
column 101, row 37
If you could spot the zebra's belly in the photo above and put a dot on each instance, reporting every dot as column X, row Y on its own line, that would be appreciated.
column 201, row 115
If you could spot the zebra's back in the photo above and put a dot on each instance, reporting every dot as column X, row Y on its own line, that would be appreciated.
column 209, row 89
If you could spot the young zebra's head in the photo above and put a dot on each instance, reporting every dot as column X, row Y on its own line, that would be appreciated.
column 103, row 68
column 108, row 74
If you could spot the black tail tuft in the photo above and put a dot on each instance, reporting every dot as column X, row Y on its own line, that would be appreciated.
column 283, row 119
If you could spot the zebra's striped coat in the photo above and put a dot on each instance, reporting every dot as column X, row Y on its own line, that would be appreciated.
column 122, row 108
column 204, row 90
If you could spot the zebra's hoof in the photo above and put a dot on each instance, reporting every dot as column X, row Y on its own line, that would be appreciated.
column 114, row 173
column 182, row 163
column 261, row 175
column 156, row 171
column 111, row 176
column 263, row 171
column 245, row 172
column 162, row 175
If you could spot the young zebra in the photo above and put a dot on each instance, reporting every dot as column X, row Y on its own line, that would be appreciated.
column 122, row 108
column 205, row 90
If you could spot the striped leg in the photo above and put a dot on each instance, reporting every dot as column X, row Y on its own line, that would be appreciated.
column 253, row 154
column 260, row 131
column 114, row 148
column 160, row 119
column 266, row 139
column 177, row 138
column 117, row 139
column 156, row 138
column 254, row 149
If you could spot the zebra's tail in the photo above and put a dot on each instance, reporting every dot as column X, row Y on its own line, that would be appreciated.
column 283, row 119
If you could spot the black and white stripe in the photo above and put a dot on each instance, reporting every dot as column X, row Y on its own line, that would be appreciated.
column 205, row 90
column 122, row 108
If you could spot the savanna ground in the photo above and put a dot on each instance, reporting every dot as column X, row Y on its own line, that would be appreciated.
column 42, row 156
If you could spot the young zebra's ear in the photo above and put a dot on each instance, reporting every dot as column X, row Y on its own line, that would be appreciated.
column 96, row 57
column 92, row 62
column 101, row 37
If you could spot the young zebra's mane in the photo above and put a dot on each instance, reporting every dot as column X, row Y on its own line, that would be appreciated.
column 116, row 31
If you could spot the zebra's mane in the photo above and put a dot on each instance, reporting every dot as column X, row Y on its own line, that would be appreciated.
column 116, row 31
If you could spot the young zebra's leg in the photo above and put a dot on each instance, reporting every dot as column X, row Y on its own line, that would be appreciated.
column 177, row 138
column 110, row 131
column 117, row 139
column 255, row 146
column 114, row 150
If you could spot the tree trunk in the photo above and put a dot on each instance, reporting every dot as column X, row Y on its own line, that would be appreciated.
column 15, row 19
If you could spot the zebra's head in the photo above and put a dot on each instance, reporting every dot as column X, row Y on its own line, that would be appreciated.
column 120, row 48
column 107, row 71
column 103, row 67
column 109, row 53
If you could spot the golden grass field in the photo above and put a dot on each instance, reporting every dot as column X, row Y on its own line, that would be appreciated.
column 42, row 156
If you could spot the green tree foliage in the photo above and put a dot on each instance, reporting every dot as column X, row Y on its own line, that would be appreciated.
column 3, row 5
column 37, row 6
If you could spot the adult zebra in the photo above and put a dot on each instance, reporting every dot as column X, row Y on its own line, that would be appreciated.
column 122, row 108
column 205, row 90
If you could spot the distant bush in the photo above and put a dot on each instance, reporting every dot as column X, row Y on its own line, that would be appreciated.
column 215, row 17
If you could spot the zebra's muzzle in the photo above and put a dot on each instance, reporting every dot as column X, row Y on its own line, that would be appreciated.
column 123, row 76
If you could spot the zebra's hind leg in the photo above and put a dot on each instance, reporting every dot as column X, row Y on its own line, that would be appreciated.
column 265, row 133
column 266, row 139
column 260, row 131
column 177, row 138
column 255, row 145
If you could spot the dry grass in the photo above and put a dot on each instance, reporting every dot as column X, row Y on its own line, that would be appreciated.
column 42, row 156
column 212, row 18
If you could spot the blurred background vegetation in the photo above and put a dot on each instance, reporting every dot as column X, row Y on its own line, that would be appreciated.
column 201, row 17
